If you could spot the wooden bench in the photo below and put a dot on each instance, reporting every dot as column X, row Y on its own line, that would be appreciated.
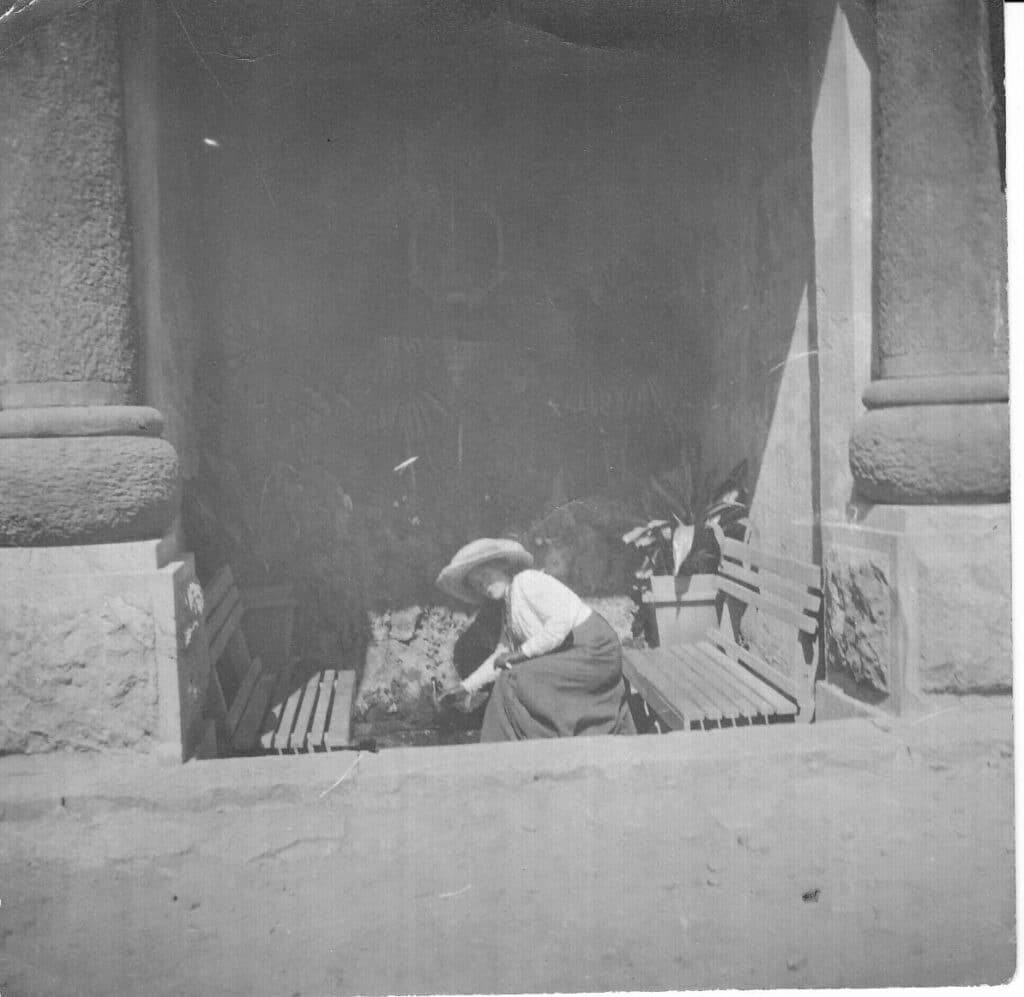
column 716, row 682
column 271, row 708
column 315, row 715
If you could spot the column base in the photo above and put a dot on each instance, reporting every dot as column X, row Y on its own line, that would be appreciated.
column 931, row 454
column 61, row 490
column 100, row 648
column 918, row 604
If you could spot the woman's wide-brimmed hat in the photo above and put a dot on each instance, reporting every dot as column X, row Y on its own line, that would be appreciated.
column 453, row 578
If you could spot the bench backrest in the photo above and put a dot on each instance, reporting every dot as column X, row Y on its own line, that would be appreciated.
column 222, row 612
column 783, row 589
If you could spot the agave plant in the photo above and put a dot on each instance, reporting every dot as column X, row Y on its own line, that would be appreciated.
column 686, row 544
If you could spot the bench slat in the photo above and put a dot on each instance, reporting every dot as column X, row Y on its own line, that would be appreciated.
column 317, row 726
column 665, row 670
column 797, row 571
column 287, row 721
column 644, row 680
column 227, row 631
column 694, row 673
column 249, row 726
column 779, row 588
column 771, row 675
column 235, row 655
column 223, row 582
column 772, row 699
column 297, row 739
column 243, row 694
column 338, row 733
column 278, row 700
column 748, row 703
column 636, row 666
column 806, row 624
column 219, row 613
column 679, row 686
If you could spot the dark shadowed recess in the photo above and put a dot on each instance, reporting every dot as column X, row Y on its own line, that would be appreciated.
column 547, row 249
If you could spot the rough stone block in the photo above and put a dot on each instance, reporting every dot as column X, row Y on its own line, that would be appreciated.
column 858, row 615
column 99, row 649
column 917, row 603
column 404, row 622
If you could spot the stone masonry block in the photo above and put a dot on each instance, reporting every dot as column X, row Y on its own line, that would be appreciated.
column 96, row 654
column 917, row 603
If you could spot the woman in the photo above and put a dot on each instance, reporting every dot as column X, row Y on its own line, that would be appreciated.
column 557, row 671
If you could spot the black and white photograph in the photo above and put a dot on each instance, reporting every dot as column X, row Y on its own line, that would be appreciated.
column 507, row 496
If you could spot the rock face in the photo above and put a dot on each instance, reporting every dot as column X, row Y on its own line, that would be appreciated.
column 409, row 649
column 858, row 619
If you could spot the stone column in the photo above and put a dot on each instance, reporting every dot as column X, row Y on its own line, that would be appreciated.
column 917, row 571
column 937, row 426
column 81, row 462
column 92, row 592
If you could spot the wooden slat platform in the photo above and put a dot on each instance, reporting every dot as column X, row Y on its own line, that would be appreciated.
column 313, row 716
column 263, row 706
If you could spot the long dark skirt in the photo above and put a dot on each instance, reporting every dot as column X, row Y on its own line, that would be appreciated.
column 575, row 690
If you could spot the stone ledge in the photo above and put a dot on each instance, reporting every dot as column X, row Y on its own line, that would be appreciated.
column 35, row 786
column 80, row 420
column 937, row 390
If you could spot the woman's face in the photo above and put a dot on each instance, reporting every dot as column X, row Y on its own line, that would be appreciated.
column 490, row 580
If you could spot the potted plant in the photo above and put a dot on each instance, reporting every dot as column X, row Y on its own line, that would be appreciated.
column 675, row 582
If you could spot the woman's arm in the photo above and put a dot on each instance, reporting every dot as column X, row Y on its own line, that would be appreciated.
column 554, row 604
column 486, row 673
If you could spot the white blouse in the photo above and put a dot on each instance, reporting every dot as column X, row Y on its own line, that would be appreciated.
column 541, row 612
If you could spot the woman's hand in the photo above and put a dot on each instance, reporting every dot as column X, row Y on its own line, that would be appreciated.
column 456, row 699
column 447, row 694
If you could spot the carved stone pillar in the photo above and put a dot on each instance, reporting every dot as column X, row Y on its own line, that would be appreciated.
column 80, row 461
column 917, row 565
column 91, row 596
column 937, row 426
